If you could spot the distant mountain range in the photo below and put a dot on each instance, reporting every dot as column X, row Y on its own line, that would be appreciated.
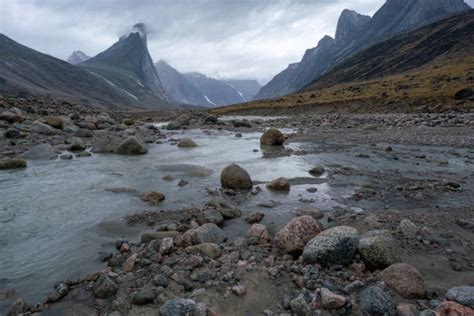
column 24, row 72
column 354, row 33
column 121, row 76
column 198, row 89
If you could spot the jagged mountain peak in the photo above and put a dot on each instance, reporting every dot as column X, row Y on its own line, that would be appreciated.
column 77, row 57
column 349, row 26
column 138, row 28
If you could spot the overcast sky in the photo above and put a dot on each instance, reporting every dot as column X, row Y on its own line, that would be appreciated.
column 221, row 38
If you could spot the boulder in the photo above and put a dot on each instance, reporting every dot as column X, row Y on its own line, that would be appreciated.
column 224, row 208
column 330, row 300
column 11, row 117
column 152, row 197
column 375, row 302
column 129, row 264
column 41, row 128
column 279, row 184
column 144, row 296
column 464, row 93
column 296, row 234
column 179, row 123
column 258, row 234
column 462, row 294
column 54, row 121
column 404, row 309
column 236, row 178
column 313, row 212
column 255, row 217
column 453, row 309
column 300, row 307
column 209, row 249
column 166, row 245
column 333, row 246
column 408, row 228
column 84, row 133
column 210, row 216
column 40, row 152
column 179, row 307
column 77, row 145
column 317, row 171
column 186, row 143
column 404, row 279
column 207, row 233
column 15, row 163
column 131, row 146
column 149, row 236
column 12, row 133
column 238, row 124
column 105, row 288
column 272, row 137
column 378, row 249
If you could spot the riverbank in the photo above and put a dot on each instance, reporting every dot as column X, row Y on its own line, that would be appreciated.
column 402, row 183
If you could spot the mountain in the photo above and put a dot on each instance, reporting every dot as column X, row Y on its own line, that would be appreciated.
column 247, row 89
column 421, row 69
column 127, row 65
column 450, row 41
column 25, row 71
column 77, row 57
column 316, row 60
column 216, row 92
column 177, row 86
column 356, row 32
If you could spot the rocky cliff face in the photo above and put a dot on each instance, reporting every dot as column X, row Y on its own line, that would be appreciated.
column 349, row 26
column 356, row 32
column 77, row 57
column 127, row 65
column 177, row 87
column 25, row 71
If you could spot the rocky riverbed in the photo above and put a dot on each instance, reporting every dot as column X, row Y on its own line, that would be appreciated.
column 337, row 214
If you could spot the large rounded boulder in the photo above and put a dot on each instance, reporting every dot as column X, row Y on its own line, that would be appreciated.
column 333, row 246
column 404, row 279
column 296, row 234
column 186, row 143
column 15, row 163
column 207, row 233
column 272, row 137
column 236, row 178
column 378, row 249
column 40, row 152
column 279, row 184
column 131, row 146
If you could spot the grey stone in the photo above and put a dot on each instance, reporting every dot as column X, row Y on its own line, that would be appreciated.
column 464, row 295
column 40, row 152
column 375, row 302
column 179, row 307
column 236, row 178
column 333, row 246
column 378, row 249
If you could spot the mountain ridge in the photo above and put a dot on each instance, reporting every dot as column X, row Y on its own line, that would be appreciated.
column 393, row 17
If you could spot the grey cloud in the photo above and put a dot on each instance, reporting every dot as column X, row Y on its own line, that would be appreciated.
column 226, row 38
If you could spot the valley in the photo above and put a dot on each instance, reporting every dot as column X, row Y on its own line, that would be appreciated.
column 146, row 177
